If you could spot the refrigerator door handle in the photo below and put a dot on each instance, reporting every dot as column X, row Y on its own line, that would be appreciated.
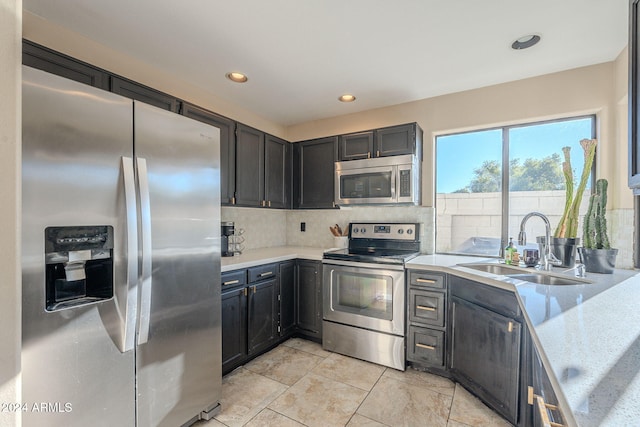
column 131, row 308
column 145, row 221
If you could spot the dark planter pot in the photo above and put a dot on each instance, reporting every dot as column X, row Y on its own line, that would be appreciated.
column 598, row 260
column 563, row 248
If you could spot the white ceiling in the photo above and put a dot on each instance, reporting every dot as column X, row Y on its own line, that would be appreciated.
column 300, row 55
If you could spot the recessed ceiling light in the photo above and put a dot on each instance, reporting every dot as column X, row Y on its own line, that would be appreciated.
column 346, row 98
column 525, row 42
column 237, row 77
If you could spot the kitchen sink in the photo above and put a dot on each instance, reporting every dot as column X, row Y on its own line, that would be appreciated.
column 545, row 279
column 526, row 275
column 493, row 268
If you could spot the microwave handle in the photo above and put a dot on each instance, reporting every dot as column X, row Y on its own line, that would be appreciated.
column 394, row 180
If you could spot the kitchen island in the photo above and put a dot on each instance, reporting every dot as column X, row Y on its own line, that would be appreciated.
column 587, row 335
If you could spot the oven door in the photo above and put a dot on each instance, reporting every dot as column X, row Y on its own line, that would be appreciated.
column 370, row 296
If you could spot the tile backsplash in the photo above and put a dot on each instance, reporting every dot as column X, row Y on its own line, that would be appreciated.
column 264, row 228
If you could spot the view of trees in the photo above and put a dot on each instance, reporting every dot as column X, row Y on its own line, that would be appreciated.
column 531, row 175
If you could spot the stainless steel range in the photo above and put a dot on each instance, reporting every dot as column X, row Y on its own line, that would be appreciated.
column 364, row 292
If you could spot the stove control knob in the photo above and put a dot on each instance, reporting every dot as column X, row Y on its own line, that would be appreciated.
column 355, row 230
column 400, row 231
column 363, row 230
column 410, row 231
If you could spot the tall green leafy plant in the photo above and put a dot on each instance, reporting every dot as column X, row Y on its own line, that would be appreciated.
column 568, row 226
column 594, row 230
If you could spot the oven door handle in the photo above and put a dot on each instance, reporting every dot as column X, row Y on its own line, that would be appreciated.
column 380, row 266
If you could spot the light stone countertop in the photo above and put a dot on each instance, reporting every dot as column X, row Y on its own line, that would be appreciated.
column 254, row 257
column 588, row 337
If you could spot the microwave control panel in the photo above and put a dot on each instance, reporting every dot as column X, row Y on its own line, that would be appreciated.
column 405, row 183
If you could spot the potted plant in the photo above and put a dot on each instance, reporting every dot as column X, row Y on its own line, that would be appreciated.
column 596, row 252
column 565, row 239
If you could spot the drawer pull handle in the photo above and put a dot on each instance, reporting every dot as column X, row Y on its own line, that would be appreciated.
column 428, row 347
column 419, row 280
column 230, row 282
column 254, row 289
column 245, row 292
column 267, row 273
column 424, row 307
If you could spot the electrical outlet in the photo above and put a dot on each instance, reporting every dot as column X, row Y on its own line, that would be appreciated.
column 303, row 226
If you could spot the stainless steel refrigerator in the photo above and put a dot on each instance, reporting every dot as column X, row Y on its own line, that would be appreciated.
column 120, row 260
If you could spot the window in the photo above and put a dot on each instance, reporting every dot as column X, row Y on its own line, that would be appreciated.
column 488, row 180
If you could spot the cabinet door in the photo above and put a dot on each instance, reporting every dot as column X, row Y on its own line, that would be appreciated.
column 277, row 173
column 227, row 147
column 485, row 355
column 287, row 295
column 314, row 173
column 356, row 146
column 53, row 62
column 234, row 328
column 143, row 93
column 396, row 140
column 249, row 166
column 309, row 298
column 262, row 315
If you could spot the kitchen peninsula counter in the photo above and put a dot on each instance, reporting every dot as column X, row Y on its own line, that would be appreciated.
column 587, row 335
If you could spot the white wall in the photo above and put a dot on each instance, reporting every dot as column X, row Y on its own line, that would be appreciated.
column 10, row 137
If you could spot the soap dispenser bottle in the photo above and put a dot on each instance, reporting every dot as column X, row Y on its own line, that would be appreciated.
column 508, row 252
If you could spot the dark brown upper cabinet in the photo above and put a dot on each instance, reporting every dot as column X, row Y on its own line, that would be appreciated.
column 227, row 147
column 277, row 173
column 249, row 166
column 53, row 62
column 355, row 146
column 313, row 169
column 133, row 90
column 389, row 141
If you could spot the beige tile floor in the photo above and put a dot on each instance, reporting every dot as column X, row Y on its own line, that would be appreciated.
column 300, row 384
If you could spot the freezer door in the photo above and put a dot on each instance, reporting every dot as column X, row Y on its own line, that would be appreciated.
column 179, row 336
column 75, row 368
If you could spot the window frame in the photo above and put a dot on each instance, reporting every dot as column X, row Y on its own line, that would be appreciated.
column 504, row 225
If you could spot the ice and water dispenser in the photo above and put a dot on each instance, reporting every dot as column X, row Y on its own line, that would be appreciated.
column 79, row 265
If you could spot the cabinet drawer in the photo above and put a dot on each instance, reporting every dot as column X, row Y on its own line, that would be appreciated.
column 427, row 307
column 234, row 278
column 428, row 279
column 426, row 346
column 262, row 272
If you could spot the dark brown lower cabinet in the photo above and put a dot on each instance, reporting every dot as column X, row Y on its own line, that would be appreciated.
column 234, row 328
column 262, row 314
column 265, row 305
column 287, row 295
column 485, row 353
column 309, row 299
column 427, row 312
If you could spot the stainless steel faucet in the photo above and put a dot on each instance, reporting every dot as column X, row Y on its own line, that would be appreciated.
column 547, row 259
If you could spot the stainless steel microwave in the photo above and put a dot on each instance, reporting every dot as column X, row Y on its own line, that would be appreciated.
column 379, row 181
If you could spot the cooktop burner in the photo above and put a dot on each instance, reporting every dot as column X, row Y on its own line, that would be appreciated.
column 381, row 256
